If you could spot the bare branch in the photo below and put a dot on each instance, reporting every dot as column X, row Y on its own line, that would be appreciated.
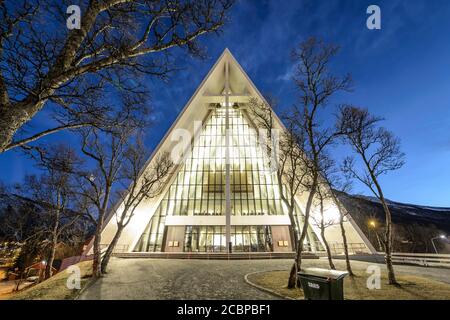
column 72, row 71
column 35, row 137
column 379, row 153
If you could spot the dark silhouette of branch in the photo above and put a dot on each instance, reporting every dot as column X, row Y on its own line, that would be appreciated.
column 70, row 72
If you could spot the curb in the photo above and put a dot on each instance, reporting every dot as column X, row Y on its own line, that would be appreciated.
column 276, row 294
column 89, row 283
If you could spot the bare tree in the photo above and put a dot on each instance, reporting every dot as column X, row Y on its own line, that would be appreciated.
column 335, row 184
column 379, row 153
column 284, row 153
column 316, row 85
column 107, row 153
column 287, row 157
column 54, row 190
column 322, row 195
column 71, row 73
column 21, row 221
column 336, row 187
column 143, row 185
column 17, row 220
column 39, row 213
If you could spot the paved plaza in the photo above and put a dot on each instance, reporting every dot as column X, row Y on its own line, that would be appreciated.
column 168, row 279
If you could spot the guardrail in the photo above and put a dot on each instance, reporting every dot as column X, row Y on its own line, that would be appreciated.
column 421, row 259
column 119, row 248
column 353, row 248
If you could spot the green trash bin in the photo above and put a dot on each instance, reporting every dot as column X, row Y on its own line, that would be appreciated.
column 322, row 284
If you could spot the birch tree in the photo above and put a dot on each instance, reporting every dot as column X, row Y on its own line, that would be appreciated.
column 316, row 86
column 143, row 185
column 55, row 192
column 106, row 153
column 378, row 152
column 322, row 195
column 337, row 187
column 284, row 149
column 334, row 183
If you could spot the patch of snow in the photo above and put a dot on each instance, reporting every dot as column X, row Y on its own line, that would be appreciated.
column 405, row 206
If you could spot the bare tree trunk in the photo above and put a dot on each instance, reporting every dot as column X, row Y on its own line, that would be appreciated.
column 18, row 283
column 298, row 257
column 293, row 276
column 344, row 241
column 109, row 251
column 322, row 234
column 293, row 224
column 388, row 233
column 327, row 248
column 344, row 236
column 290, row 204
column 294, row 269
column 51, row 259
column 388, row 244
column 96, row 263
column 12, row 118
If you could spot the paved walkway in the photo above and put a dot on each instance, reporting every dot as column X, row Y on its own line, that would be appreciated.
column 204, row 279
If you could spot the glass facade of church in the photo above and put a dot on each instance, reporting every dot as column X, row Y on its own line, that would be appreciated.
column 199, row 190
column 212, row 239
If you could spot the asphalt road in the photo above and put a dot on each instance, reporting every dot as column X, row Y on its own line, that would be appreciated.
column 160, row 279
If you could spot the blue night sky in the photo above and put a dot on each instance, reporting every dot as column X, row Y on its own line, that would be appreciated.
column 401, row 72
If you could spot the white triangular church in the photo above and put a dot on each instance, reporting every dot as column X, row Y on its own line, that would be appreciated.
column 208, row 207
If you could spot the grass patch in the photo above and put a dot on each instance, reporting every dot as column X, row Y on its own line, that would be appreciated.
column 55, row 288
column 411, row 287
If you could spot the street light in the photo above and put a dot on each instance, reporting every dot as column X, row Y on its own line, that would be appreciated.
column 442, row 236
column 372, row 225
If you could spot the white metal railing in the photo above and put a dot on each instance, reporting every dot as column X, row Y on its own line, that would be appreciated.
column 119, row 248
column 353, row 248
column 422, row 259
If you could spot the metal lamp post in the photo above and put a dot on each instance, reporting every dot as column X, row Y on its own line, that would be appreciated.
column 373, row 225
column 438, row 237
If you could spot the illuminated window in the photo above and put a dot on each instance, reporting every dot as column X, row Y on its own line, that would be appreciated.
column 243, row 238
column 199, row 186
